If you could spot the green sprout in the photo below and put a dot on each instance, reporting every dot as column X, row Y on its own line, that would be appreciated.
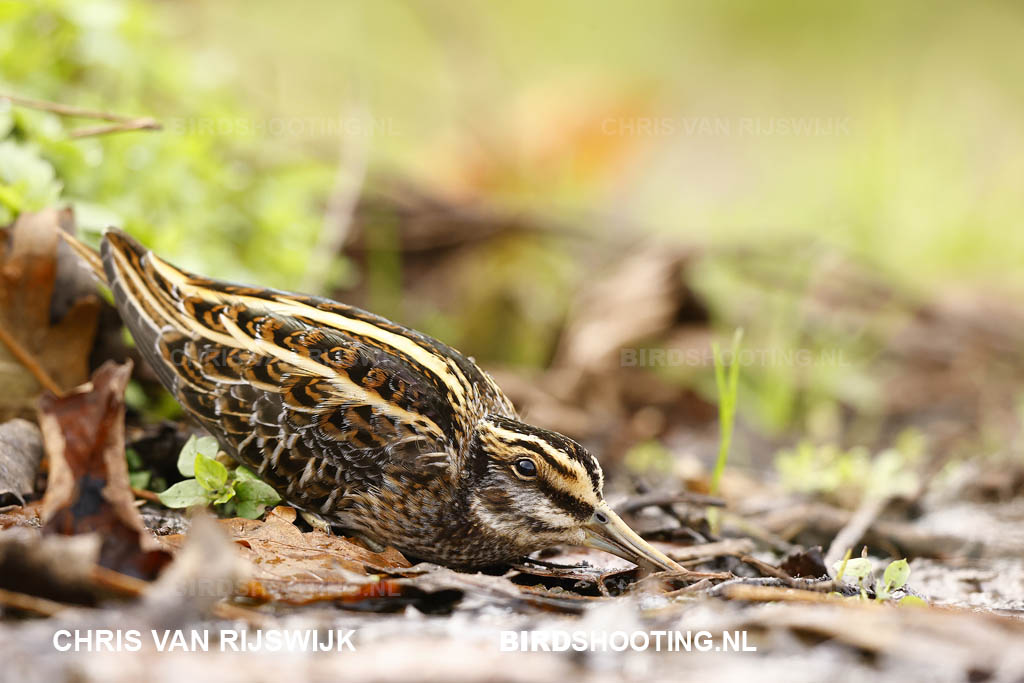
column 727, row 391
column 238, row 491
column 859, row 569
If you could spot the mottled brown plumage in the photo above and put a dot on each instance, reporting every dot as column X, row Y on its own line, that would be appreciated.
column 374, row 427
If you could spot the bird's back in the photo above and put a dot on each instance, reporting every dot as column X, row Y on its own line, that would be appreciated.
column 325, row 401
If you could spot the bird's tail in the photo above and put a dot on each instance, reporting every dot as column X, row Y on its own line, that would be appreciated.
column 88, row 254
column 142, row 294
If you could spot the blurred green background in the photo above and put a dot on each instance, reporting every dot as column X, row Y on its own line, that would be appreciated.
column 890, row 133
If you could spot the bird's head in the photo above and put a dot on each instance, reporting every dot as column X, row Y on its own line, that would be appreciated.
column 533, row 488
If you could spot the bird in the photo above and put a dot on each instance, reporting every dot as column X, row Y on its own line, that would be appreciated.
column 372, row 427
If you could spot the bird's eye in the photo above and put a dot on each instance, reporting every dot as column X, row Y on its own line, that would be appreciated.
column 526, row 468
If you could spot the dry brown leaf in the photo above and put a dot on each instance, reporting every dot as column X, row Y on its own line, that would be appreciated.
column 21, row 450
column 308, row 554
column 88, row 488
column 290, row 565
column 20, row 516
column 28, row 273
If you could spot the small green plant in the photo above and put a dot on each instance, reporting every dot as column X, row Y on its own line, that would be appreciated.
column 858, row 570
column 238, row 491
column 649, row 457
column 849, row 475
column 727, row 390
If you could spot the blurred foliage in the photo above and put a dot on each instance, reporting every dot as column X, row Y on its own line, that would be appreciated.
column 661, row 113
column 851, row 475
column 225, row 202
column 630, row 122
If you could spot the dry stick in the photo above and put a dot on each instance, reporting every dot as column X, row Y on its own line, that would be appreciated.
column 767, row 569
column 742, row 591
column 659, row 498
column 826, row 519
column 855, row 529
column 730, row 546
column 124, row 122
column 134, row 124
column 115, row 581
column 30, row 363
column 64, row 109
column 146, row 495
column 30, row 603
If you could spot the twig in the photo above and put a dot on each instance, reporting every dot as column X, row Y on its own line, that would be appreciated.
column 146, row 495
column 758, row 533
column 117, row 582
column 743, row 591
column 732, row 546
column 29, row 362
column 855, row 529
column 828, row 520
column 134, row 124
column 659, row 498
column 767, row 569
column 64, row 109
column 123, row 123
column 694, row 588
column 30, row 603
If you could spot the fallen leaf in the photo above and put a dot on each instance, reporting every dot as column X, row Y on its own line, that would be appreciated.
column 88, row 488
column 206, row 569
column 29, row 303
column 56, row 568
column 805, row 564
column 21, row 450
column 290, row 565
column 20, row 516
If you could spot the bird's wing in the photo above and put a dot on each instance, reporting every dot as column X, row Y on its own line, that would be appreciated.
column 322, row 399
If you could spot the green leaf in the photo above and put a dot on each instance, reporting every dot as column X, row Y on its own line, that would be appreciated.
column 134, row 461
column 187, row 457
column 205, row 445
column 210, row 474
column 140, row 480
column 896, row 574
column 33, row 177
column 184, row 494
column 223, row 495
column 253, row 497
column 249, row 509
column 243, row 473
column 208, row 446
column 857, row 568
column 913, row 601
column 256, row 491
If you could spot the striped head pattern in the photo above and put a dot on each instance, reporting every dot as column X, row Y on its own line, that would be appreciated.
column 532, row 482
column 533, row 488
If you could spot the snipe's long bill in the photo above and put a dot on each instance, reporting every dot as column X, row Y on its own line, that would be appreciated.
column 374, row 427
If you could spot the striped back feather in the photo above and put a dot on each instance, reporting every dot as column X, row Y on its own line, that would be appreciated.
column 322, row 399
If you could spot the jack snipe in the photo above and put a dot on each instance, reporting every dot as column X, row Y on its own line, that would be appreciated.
column 370, row 425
